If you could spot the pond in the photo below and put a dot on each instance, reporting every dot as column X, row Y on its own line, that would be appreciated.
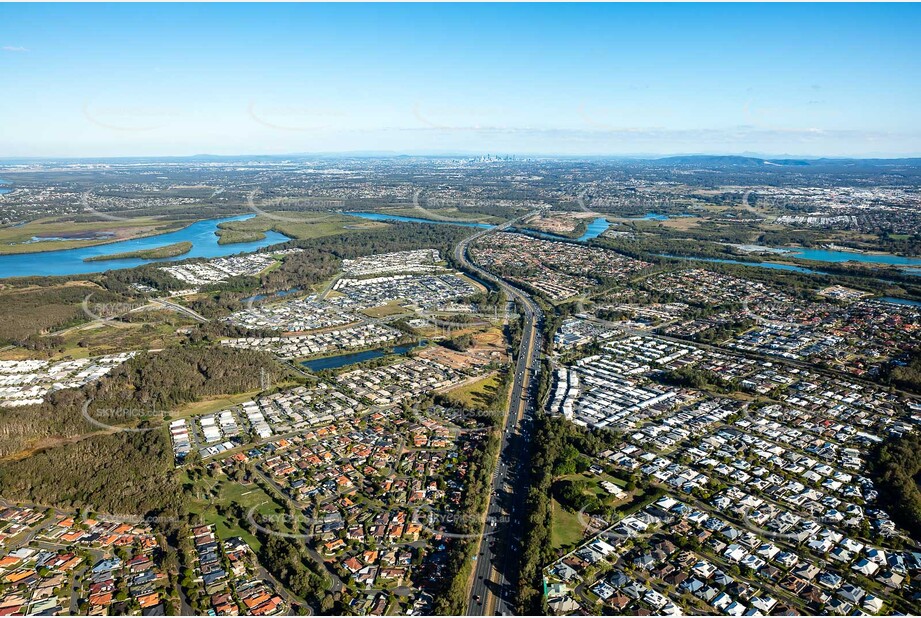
column 343, row 360
column 280, row 293
column 71, row 261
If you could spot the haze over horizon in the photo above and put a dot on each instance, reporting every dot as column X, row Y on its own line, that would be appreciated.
column 566, row 80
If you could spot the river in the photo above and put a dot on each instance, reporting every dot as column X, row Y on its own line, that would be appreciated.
column 70, row 261
column 901, row 301
column 825, row 255
column 205, row 245
column 776, row 266
column 770, row 265
column 593, row 230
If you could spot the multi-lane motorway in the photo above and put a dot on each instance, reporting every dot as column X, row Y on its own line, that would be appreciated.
column 498, row 548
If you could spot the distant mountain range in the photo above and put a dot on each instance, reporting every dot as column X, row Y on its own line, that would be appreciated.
column 747, row 161
column 741, row 161
column 729, row 160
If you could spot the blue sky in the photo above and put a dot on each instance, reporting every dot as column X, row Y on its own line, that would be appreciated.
column 111, row 80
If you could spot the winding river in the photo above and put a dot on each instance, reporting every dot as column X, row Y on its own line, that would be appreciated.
column 70, row 261
column 826, row 255
column 205, row 245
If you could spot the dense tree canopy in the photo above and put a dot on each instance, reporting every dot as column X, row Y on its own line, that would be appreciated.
column 896, row 466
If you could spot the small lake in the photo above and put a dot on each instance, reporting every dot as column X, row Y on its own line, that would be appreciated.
column 343, row 360
column 70, row 261
column 376, row 216
column 278, row 294
column 5, row 187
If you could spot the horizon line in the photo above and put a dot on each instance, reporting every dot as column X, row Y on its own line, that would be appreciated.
column 449, row 154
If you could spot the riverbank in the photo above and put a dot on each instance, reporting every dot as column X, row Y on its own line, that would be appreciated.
column 159, row 253
column 20, row 239
column 232, row 237
column 74, row 261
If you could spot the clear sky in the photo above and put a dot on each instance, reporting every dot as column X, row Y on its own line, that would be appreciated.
column 111, row 80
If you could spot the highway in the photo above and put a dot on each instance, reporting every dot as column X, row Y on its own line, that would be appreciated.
column 495, row 575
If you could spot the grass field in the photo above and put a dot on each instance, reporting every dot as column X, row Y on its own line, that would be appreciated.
column 210, row 492
column 682, row 223
column 302, row 225
column 472, row 395
column 391, row 308
column 229, row 237
column 566, row 529
column 213, row 404
column 594, row 489
column 319, row 287
column 100, row 338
